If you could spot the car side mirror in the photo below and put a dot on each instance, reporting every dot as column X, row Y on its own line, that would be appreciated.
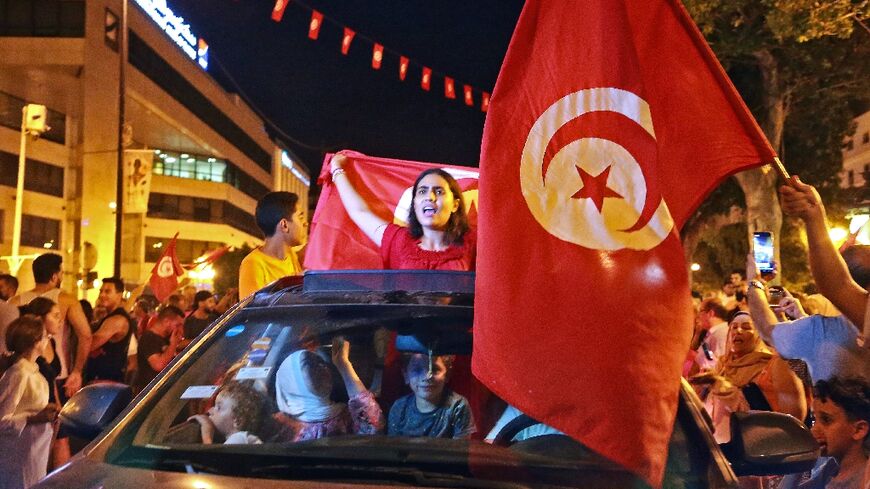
column 768, row 443
column 92, row 409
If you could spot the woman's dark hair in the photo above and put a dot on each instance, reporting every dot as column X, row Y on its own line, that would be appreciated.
column 88, row 309
column 38, row 307
column 457, row 225
column 23, row 334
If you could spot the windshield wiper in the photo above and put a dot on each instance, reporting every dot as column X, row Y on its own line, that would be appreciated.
column 345, row 473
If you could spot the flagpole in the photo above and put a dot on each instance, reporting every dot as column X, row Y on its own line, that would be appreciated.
column 780, row 168
column 119, row 181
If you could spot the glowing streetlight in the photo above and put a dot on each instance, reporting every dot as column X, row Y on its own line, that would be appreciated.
column 838, row 234
column 695, row 267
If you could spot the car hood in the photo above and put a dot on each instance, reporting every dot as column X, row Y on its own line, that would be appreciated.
column 85, row 474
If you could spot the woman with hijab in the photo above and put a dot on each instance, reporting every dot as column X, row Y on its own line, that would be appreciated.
column 750, row 376
column 302, row 389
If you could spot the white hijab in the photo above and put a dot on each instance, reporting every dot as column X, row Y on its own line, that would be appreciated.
column 295, row 396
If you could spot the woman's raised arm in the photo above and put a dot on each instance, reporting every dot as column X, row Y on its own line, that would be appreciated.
column 369, row 223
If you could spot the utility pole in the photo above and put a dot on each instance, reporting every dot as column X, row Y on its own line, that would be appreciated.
column 33, row 123
column 119, row 191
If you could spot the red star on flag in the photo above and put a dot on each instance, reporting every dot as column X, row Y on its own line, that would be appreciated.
column 595, row 187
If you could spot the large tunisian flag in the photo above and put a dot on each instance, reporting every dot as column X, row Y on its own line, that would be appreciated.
column 609, row 123
column 336, row 243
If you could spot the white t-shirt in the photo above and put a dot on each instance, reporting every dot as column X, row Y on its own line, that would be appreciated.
column 242, row 438
column 829, row 345
column 717, row 341
column 509, row 414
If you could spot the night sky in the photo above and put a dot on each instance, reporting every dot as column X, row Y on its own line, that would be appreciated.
column 328, row 101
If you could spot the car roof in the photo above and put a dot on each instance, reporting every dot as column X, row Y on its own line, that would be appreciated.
column 430, row 310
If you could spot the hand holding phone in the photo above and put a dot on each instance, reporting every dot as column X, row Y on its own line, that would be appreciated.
column 762, row 250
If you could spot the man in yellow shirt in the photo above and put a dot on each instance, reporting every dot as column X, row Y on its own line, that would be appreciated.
column 284, row 226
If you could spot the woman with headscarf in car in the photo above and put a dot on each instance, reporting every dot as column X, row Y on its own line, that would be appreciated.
column 438, row 236
column 750, row 376
column 302, row 389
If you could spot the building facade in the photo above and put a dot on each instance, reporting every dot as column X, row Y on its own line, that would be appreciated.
column 212, row 156
column 856, row 177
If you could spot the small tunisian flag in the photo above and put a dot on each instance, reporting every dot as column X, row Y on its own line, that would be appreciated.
column 164, row 275
column 278, row 9
column 314, row 25
column 377, row 56
column 403, row 67
column 347, row 39
column 609, row 123
column 449, row 88
column 336, row 243
column 426, row 78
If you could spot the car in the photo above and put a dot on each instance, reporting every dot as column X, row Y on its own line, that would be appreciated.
column 149, row 442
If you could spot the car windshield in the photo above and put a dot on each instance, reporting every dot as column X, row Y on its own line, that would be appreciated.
column 341, row 386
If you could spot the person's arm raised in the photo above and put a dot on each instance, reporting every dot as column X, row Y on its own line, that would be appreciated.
column 357, row 208
column 341, row 360
column 759, row 308
column 828, row 268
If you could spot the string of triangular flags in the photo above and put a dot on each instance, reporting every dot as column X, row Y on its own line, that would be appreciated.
column 378, row 53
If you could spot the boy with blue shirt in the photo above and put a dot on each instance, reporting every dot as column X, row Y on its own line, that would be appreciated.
column 432, row 410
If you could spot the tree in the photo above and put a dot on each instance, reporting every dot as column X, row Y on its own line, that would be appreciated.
column 227, row 268
column 797, row 64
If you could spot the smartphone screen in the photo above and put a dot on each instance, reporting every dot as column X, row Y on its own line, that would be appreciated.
column 762, row 249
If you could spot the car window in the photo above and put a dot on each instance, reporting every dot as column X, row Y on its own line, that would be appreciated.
column 280, row 357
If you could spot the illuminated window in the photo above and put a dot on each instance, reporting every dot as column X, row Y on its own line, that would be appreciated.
column 208, row 169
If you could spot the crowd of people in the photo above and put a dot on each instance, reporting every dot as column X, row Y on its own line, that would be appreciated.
column 756, row 346
column 52, row 344
column 759, row 346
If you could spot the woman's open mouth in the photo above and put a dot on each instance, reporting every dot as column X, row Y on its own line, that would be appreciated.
column 428, row 211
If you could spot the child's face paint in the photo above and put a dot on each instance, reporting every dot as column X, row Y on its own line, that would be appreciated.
column 427, row 382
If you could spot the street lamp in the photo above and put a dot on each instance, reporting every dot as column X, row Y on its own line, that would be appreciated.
column 33, row 124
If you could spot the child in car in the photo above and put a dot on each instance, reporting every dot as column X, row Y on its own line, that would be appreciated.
column 302, row 389
column 235, row 415
column 432, row 409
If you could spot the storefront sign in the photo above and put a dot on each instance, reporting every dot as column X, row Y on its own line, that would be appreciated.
column 177, row 30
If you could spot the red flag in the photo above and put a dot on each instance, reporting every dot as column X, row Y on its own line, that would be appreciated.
column 469, row 100
column 611, row 120
column 164, row 275
column 210, row 257
column 346, row 40
column 377, row 56
column 484, row 101
column 426, row 78
column 278, row 10
column 449, row 90
column 403, row 67
column 336, row 242
column 314, row 26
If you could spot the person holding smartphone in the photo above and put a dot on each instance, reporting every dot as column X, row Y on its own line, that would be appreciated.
column 831, row 346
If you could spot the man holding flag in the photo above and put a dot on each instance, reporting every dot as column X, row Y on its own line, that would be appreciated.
column 610, row 122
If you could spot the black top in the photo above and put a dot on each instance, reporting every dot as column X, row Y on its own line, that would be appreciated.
column 109, row 362
column 149, row 344
column 193, row 326
column 50, row 371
